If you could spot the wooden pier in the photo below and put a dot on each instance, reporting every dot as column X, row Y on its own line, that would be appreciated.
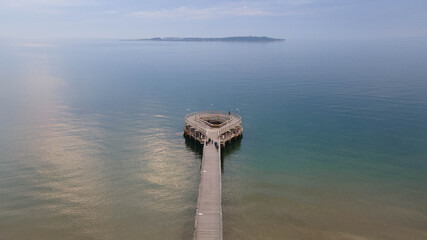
column 221, row 128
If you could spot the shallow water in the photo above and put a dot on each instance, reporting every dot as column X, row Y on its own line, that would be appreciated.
column 91, row 143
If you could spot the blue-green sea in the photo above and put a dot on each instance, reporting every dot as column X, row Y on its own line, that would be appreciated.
column 334, row 143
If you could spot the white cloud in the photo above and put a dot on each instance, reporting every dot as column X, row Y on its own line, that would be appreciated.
column 202, row 13
column 51, row 7
column 108, row 12
column 294, row 2
column 43, row 3
column 45, row 6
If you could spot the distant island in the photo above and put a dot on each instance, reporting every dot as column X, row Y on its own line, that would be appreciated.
column 224, row 39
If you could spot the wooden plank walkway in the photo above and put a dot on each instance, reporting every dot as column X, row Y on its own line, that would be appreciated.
column 220, row 127
column 208, row 224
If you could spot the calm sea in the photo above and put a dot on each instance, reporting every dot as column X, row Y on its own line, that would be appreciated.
column 334, row 145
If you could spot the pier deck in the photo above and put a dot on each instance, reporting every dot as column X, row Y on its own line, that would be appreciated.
column 208, row 223
column 220, row 127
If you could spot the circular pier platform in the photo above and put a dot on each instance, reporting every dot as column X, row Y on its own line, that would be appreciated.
column 224, row 126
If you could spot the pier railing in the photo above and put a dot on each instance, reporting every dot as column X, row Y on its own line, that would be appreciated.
column 236, row 121
column 209, row 113
column 225, row 129
column 196, row 126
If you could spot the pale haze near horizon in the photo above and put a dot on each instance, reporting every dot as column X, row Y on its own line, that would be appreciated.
column 291, row 19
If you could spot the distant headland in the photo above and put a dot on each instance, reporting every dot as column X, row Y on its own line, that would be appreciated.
column 224, row 39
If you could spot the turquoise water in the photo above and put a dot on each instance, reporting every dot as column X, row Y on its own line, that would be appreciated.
column 334, row 144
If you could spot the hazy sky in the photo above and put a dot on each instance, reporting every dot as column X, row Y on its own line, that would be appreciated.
column 298, row 19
